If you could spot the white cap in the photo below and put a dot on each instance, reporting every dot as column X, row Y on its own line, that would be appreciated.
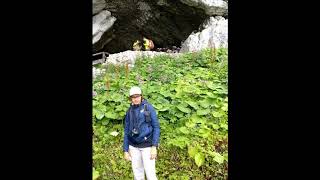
column 135, row 90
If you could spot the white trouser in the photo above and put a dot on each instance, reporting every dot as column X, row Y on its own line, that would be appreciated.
column 141, row 162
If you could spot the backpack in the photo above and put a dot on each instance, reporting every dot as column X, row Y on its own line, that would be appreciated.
column 146, row 114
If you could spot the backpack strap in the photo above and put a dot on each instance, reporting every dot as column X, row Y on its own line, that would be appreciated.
column 147, row 113
column 145, row 107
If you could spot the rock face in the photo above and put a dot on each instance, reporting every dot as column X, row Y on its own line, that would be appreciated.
column 98, row 5
column 102, row 23
column 211, row 7
column 214, row 34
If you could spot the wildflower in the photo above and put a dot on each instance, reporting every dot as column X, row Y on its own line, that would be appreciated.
column 94, row 93
column 114, row 133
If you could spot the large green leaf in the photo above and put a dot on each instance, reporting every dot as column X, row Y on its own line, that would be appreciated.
column 218, row 158
column 94, row 103
column 225, row 107
column 204, row 103
column 95, row 174
column 166, row 93
column 197, row 119
column 158, row 106
column 193, row 104
column 202, row 112
column 183, row 109
column 164, row 109
column 217, row 114
column 116, row 97
column 225, row 126
column 211, row 95
column 179, row 114
column 211, row 85
column 190, row 124
column 192, row 151
column 184, row 130
column 162, row 100
column 105, row 121
column 111, row 115
column 199, row 159
column 103, row 98
column 101, row 107
column 152, row 89
column 205, row 133
column 215, row 126
column 98, row 114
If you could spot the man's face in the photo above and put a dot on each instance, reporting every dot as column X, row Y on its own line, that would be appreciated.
column 136, row 99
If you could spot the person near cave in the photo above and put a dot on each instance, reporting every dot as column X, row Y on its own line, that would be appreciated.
column 143, row 45
column 141, row 136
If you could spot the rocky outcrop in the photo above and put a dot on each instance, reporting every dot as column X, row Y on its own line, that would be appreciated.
column 130, row 56
column 214, row 34
column 102, row 24
column 211, row 7
column 97, row 6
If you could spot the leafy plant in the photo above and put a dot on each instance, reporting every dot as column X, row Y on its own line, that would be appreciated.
column 190, row 96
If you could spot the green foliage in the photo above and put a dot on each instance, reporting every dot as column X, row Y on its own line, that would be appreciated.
column 190, row 95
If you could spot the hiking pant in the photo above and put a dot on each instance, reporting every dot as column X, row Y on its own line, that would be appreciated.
column 141, row 163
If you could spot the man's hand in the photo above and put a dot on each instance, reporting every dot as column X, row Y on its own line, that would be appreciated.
column 127, row 156
column 153, row 152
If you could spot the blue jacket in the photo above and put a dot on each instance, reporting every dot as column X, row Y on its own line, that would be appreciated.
column 149, row 133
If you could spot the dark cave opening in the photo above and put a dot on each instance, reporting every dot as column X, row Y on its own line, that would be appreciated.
column 167, row 26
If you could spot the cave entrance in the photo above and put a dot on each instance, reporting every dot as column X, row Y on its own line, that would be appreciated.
column 167, row 26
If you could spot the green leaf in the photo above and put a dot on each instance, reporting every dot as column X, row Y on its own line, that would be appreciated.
column 95, row 174
column 116, row 97
column 218, row 158
column 215, row 126
column 204, row 133
column 94, row 103
column 225, row 107
column 192, row 151
column 202, row 112
column 103, row 99
column 204, row 103
column 211, row 85
column 162, row 100
column 199, row 158
column 190, row 124
column 193, row 104
column 184, row 130
column 197, row 119
column 99, row 115
column 105, row 121
column 225, row 126
column 217, row 114
column 166, row 93
column 179, row 114
column 158, row 106
column 111, row 115
column 164, row 109
column 211, row 95
column 184, row 109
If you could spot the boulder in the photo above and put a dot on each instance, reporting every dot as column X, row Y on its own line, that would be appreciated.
column 214, row 34
column 102, row 23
